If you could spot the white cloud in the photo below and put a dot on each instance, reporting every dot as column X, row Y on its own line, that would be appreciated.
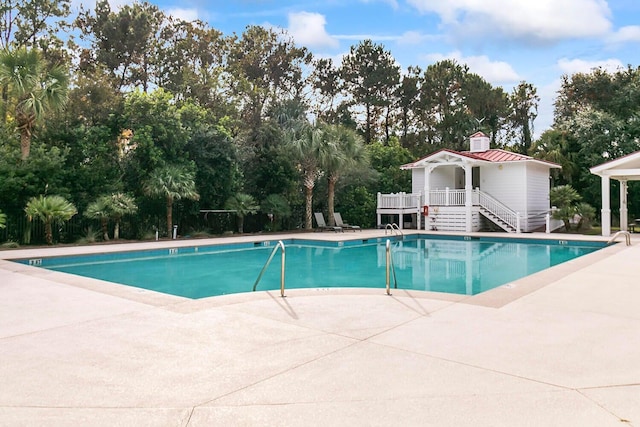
column 630, row 33
column 572, row 66
column 188, row 15
column 415, row 37
column 392, row 3
column 360, row 37
column 536, row 21
column 495, row 72
column 308, row 29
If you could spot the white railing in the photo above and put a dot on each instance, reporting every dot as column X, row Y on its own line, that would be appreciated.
column 399, row 200
column 500, row 210
column 447, row 197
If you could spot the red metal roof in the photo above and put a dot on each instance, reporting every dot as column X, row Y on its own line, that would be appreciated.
column 493, row 155
column 478, row 134
column 496, row 155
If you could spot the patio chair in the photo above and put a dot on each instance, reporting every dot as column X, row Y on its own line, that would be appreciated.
column 340, row 223
column 322, row 225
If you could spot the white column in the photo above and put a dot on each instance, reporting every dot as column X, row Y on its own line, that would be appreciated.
column 427, row 192
column 624, row 225
column 606, row 207
column 378, row 216
column 468, row 197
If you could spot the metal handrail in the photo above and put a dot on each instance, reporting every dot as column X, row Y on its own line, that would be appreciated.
column 390, row 266
column 266, row 264
column 393, row 227
column 626, row 234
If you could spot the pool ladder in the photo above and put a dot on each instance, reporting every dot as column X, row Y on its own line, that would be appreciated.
column 393, row 227
column 279, row 245
column 626, row 235
column 390, row 267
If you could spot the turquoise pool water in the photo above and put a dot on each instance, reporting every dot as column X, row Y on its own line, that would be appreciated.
column 452, row 265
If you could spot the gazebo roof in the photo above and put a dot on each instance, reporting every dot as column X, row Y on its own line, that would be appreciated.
column 623, row 168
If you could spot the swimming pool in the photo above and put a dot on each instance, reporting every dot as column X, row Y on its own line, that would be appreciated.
column 456, row 264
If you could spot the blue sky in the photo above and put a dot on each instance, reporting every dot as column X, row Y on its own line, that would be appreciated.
column 504, row 41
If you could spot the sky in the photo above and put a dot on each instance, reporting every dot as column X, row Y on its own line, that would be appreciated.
column 504, row 41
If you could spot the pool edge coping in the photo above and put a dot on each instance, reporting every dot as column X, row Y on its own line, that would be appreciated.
column 493, row 298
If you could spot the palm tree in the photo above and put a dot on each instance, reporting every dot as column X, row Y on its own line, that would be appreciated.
column 113, row 206
column 50, row 209
column 3, row 220
column 276, row 206
column 99, row 209
column 554, row 146
column 243, row 204
column 120, row 205
column 172, row 182
column 33, row 88
column 308, row 149
column 565, row 198
column 344, row 151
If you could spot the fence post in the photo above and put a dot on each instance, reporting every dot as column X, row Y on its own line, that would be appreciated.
column 517, row 222
column 547, row 220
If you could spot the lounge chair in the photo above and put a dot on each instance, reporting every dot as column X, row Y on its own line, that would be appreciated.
column 322, row 225
column 340, row 223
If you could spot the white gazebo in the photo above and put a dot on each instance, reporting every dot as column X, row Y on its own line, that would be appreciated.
column 623, row 169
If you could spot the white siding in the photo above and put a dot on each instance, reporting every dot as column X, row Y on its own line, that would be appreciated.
column 537, row 196
column 505, row 182
column 443, row 177
column 417, row 180
column 538, row 187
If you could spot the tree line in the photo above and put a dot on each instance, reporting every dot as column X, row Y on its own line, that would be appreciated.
column 132, row 104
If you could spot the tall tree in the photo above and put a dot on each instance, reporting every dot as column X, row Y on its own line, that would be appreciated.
column 343, row 151
column 124, row 42
column 32, row 24
column 212, row 150
column 191, row 64
column 266, row 67
column 446, row 119
column 328, row 84
column 524, row 106
column 598, row 115
column 371, row 76
column 172, row 182
column 156, row 134
column 308, row 150
column 487, row 106
column 34, row 90
column 408, row 95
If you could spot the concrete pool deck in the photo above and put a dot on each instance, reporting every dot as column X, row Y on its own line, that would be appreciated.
column 558, row 348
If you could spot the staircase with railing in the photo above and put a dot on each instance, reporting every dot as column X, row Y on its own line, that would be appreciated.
column 498, row 213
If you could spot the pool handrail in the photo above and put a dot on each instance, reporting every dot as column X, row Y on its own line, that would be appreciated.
column 393, row 226
column 279, row 245
column 390, row 266
column 626, row 235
